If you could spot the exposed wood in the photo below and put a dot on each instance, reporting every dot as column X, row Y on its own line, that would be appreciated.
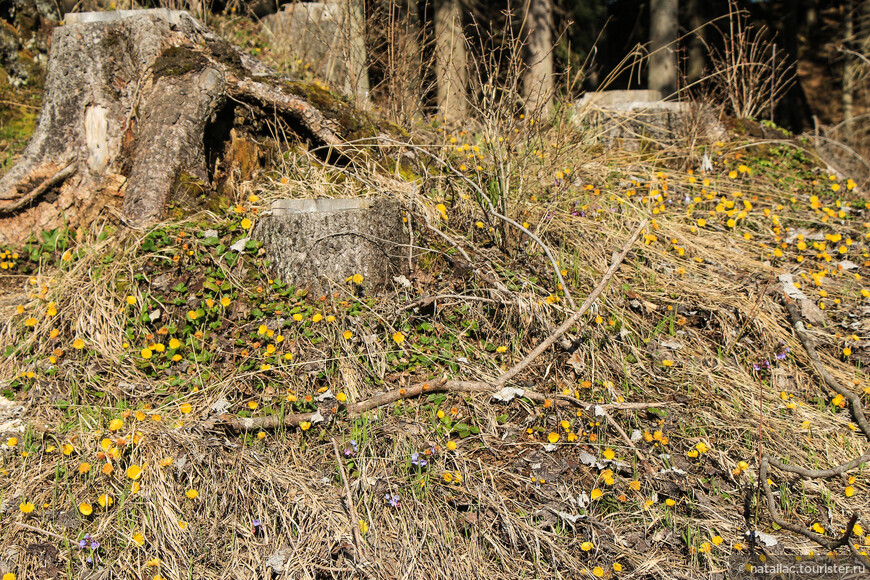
column 136, row 101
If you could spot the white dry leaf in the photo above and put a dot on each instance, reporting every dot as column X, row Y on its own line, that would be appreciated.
column 221, row 406
column 507, row 394
column 569, row 517
column 240, row 245
column 324, row 397
column 765, row 539
column 549, row 447
column 790, row 289
column 317, row 418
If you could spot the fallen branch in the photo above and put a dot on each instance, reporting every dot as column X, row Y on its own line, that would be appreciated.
column 766, row 461
column 444, row 385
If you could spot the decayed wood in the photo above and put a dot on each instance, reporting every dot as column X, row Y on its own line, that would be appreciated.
column 129, row 99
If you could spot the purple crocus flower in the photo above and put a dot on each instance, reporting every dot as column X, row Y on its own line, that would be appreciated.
column 94, row 545
column 417, row 460
column 393, row 499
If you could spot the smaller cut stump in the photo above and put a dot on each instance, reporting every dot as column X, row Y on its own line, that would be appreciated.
column 316, row 243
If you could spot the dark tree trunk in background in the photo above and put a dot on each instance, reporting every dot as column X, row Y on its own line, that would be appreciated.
column 133, row 100
column 696, row 57
column 538, row 83
column 664, row 26
column 451, row 68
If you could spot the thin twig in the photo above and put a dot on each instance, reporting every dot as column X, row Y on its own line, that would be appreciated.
column 55, row 179
column 593, row 296
column 351, row 508
column 41, row 531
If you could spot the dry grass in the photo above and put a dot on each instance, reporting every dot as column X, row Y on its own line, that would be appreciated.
column 691, row 311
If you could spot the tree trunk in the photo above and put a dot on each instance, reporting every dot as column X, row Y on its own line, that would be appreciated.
column 697, row 53
column 136, row 101
column 538, row 82
column 358, row 71
column 849, row 72
column 662, row 73
column 450, row 60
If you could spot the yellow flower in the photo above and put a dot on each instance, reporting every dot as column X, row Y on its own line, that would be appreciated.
column 185, row 408
column 341, row 397
column 617, row 567
column 357, row 279
column 363, row 526
column 305, row 425
column 191, row 314
column 9, row 576
column 348, row 335
column 67, row 449
column 553, row 437
column 246, row 224
column 609, row 454
column 818, row 528
column 78, row 344
column 716, row 540
column 191, row 494
column 182, row 524
column 134, row 472
column 847, row 351
column 146, row 353
column 501, row 349
column 598, row 571
column 174, row 343
column 297, row 317
column 12, row 441
column 252, row 405
column 451, row 445
column 153, row 562
column 138, row 539
column 667, row 363
column 596, row 493
column 131, row 300
column 670, row 503
column 586, row 546
column 398, row 337
column 86, row 508
column 105, row 500
column 317, row 317
column 116, row 424
column 26, row 507
column 850, row 491
column 225, row 301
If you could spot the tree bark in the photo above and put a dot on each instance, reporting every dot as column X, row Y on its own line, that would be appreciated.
column 450, row 60
column 136, row 101
column 357, row 70
column 538, row 82
column 849, row 72
column 662, row 72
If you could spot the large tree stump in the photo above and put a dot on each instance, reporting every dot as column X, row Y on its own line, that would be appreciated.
column 316, row 243
column 136, row 100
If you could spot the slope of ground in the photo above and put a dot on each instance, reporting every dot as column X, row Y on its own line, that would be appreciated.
column 120, row 349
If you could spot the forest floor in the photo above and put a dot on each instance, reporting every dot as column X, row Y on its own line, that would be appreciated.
column 633, row 452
